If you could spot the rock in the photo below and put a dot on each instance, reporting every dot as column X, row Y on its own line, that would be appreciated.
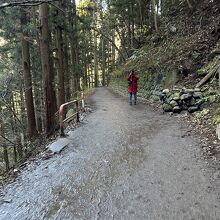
column 185, row 96
column 204, row 105
column 188, row 90
column 218, row 131
column 162, row 97
column 168, row 94
column 193, row 109
column 197, row 95
column 165, row 91
column 173, row 103
column 177, row 109
column 15, row 171
column 197, row 90
column 184, row 107
column 180, row 102
column 167, row 107
column 5, row 201
column 187, row 103
column 57, row 146
column 193, row 101
column 176, row 96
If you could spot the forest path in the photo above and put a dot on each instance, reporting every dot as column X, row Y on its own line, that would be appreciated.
column 124, row 163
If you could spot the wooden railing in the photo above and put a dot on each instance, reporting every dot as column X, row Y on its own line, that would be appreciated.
column 78, row 104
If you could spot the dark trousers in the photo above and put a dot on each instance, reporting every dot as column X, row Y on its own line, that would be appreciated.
column 130, row 97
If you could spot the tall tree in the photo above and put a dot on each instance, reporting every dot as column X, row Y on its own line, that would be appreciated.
column 60, row 55
column 31, row 122
column 155, row 15
column 46, row 68
column 95, row 53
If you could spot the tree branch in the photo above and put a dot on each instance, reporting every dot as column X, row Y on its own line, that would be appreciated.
column 7, row 139
column 25, row 3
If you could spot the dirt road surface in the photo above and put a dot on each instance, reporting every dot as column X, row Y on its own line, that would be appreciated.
column 124, row 163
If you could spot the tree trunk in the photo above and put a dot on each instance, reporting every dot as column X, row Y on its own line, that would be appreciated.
column 154, row 14
column 95, row 61
column 66, row 68
column 113, row 50
column 209, row 75
column 59, row 45
column 45, row 62
column 31, row 122
column 95, row 52
column 86, row 75
column 103, row 62
column 74, row 44
column 22, row 107
column 37, row 79
column 5, row 156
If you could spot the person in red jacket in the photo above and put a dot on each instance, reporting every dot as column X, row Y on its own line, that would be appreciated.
column 132, row 86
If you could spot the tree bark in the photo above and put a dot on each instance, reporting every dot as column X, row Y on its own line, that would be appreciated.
column 31, row 122
column 155, row 15
column 45, row 62
column 6, row 159
column 59, row 45
column 103, row 62
column 95, row 61
column 95, row 52
column 73, row 38
column 113, row 50
column 67, row 69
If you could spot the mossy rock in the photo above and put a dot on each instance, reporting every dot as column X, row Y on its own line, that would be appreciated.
column 197, row 95
column 176, row 96
column 173, row 103
column 186, row 96
column 167, row 107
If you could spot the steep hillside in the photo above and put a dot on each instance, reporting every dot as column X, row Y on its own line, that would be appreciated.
column 186, row 48
column 187, row 40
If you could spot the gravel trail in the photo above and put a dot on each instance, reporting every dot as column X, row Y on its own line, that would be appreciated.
column 124, row 163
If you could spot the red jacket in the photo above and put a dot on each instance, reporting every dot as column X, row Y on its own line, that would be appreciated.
column 132, row 83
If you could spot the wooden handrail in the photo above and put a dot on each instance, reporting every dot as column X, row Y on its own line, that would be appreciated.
column 62, row 110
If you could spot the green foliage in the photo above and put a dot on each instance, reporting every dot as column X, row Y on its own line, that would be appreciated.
column 199, row 116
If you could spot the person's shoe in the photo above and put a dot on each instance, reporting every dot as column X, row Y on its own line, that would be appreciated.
column 130, row 103
column 135, row 103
